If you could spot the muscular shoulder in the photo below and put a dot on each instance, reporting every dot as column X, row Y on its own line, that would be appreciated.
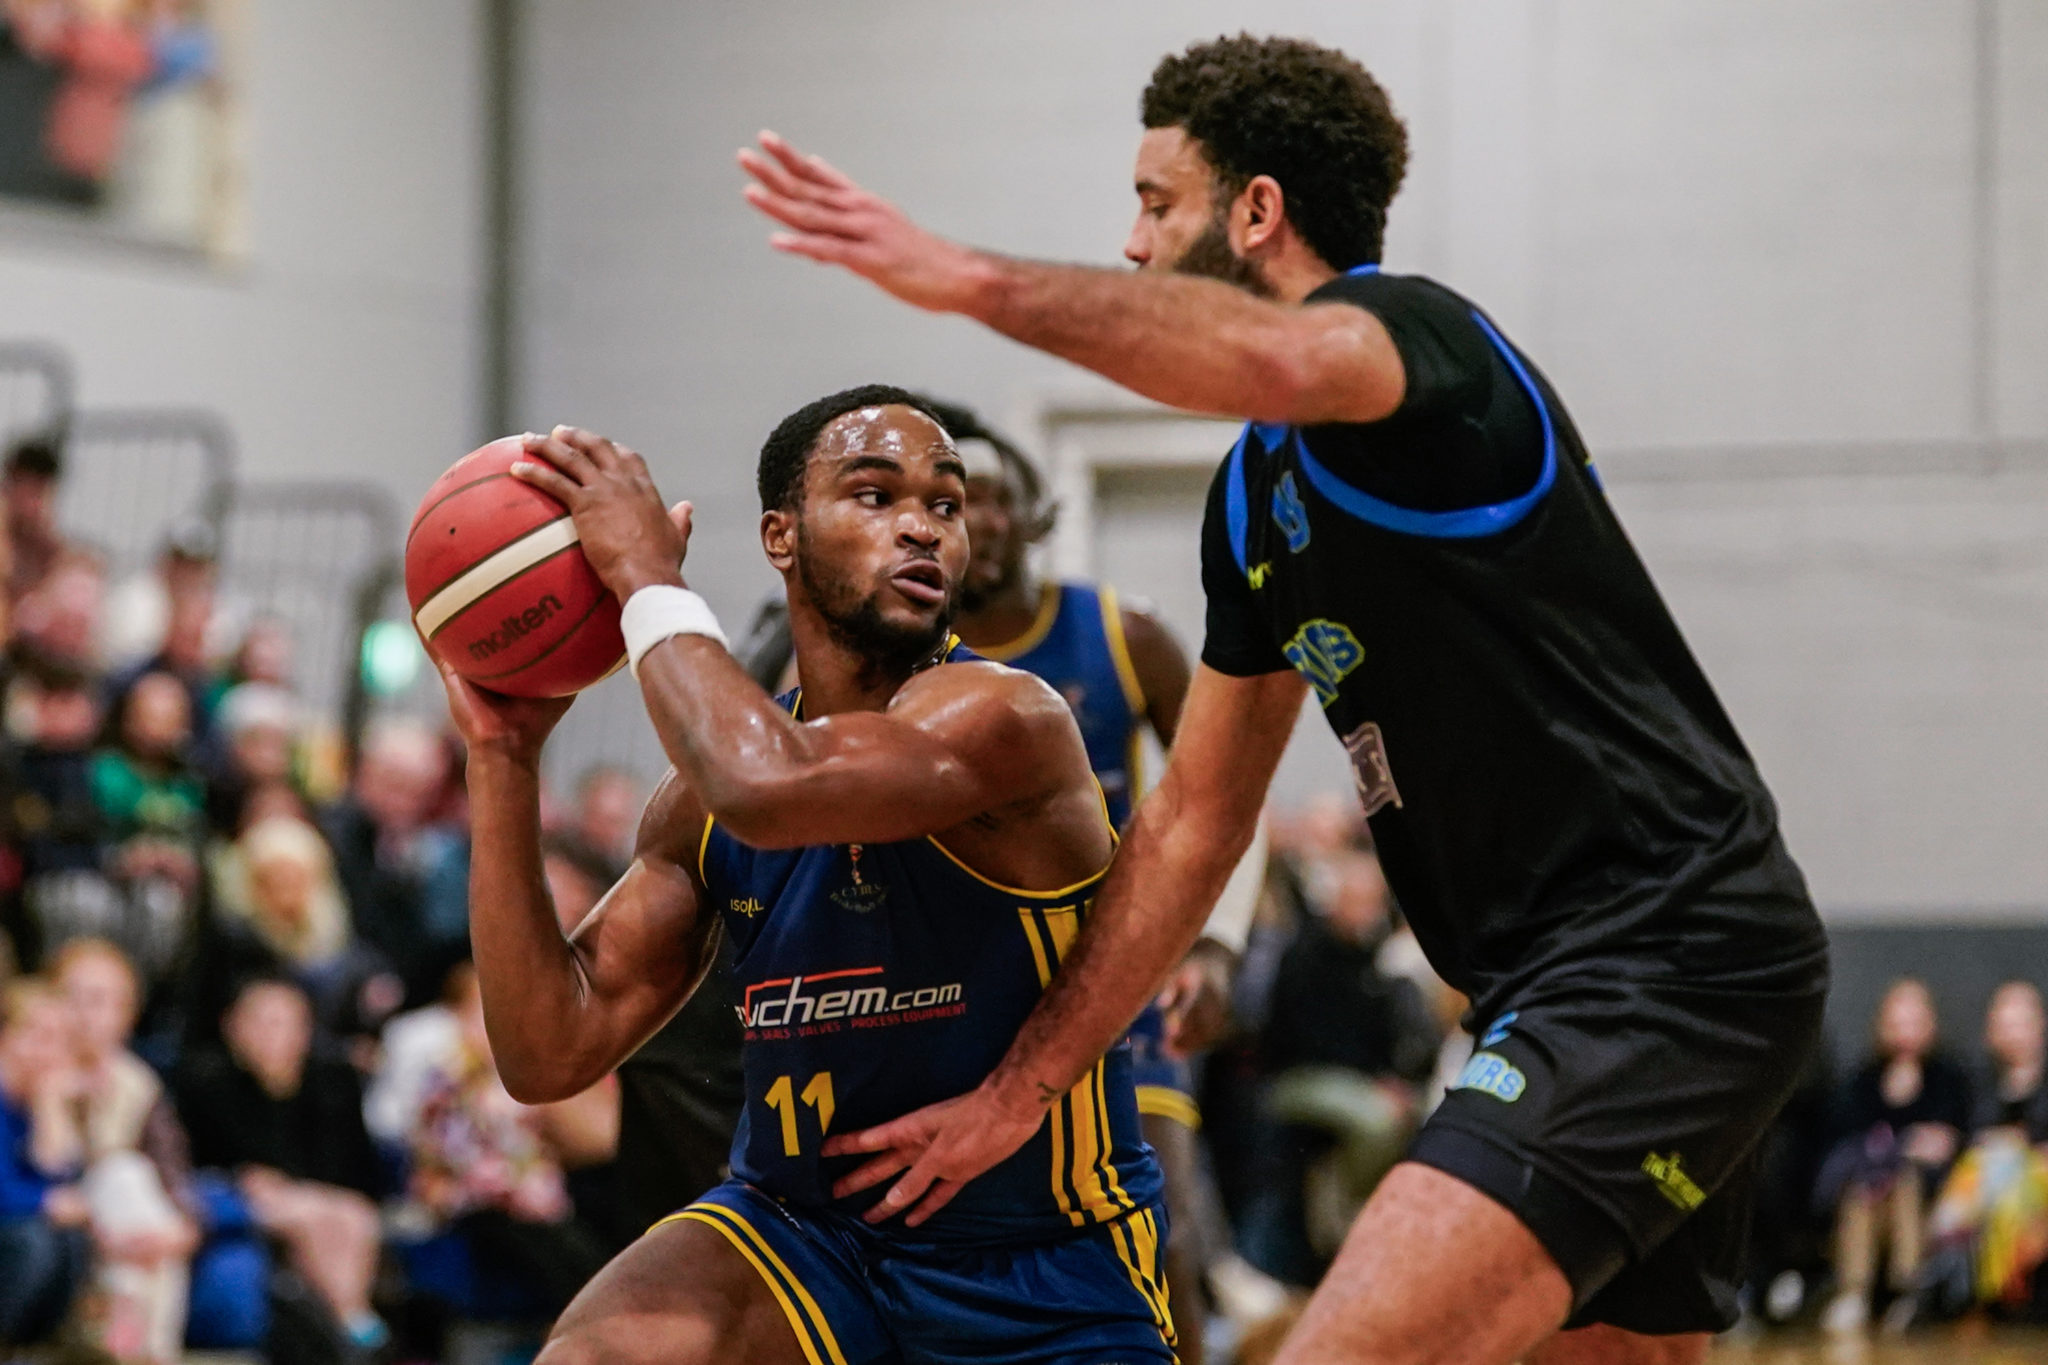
column 1007, row 722
column 978, row 693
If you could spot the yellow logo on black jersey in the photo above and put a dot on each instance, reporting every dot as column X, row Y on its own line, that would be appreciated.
column 1672, row 1182
column 1324, row 652
column 748, row 907
column 1256, row 574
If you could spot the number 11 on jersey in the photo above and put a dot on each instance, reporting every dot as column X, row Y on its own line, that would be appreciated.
column 782, row 1098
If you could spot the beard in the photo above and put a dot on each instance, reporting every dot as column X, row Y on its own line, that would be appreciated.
column 856, row 621
column 1210, row 257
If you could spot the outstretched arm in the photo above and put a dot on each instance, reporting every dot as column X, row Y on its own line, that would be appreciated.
column 1187, row 836
column 563, row 1011
column 1192, row 343
column 955, row 742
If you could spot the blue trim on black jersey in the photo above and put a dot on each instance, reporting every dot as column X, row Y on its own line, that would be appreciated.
column 1463, row 524
column 1236, row 518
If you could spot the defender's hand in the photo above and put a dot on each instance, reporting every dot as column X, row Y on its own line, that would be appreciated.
column 833, row 220
column 1196, row 999
column 514, row 727
column 943, row 1146
column 630, row 539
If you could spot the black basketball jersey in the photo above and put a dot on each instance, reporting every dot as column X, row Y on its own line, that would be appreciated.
column 1551, row 782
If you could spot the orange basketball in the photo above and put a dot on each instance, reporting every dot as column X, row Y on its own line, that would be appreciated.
column 499, row 586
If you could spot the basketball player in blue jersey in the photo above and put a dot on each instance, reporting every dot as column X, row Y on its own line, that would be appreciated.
column 900, row 851
column 1120, row 670
column 1411, row 528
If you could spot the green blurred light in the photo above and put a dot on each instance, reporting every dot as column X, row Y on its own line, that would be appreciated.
column 391, row 657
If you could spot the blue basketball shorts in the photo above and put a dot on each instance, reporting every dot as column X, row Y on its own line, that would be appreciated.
column 855, row 1295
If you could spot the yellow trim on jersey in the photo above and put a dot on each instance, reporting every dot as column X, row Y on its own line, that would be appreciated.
column 703, row 852
column 1106, row 1180
column 1163, row 1101
column 807, row 1321
column 954, row 858
column 1084, row 1178
column 1040, row 627
column 1120, row 650
column 1134, row 767
column 1056, row 1122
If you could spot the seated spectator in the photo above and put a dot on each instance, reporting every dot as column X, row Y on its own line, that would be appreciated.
column 278, row 908
column 162, row 621
column 264, row 656
column 493, row 1168
column 153, row 806
column 404, row 874
column 57, row 621
column 138, row 1177
column 258, row 725
column 54, row 715
column 1989, row 1228
column 28, row 487
column 43, row 1242
column 1900, row 1120
column 286, row 1123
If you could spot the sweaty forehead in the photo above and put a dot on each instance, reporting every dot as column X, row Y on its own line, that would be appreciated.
column 890, row 431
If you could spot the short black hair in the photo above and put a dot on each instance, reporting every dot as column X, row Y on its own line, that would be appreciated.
column 1309, row 116
column 787, row 451
column 40, row 457
column 963, row 423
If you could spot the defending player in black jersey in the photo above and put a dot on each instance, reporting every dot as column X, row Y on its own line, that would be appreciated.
column 1410, row 527
column 899, row 853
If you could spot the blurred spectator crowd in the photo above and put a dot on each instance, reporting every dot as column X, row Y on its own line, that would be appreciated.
column 246, row 1099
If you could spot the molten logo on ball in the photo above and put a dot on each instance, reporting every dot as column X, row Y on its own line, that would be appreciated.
column 512, row 628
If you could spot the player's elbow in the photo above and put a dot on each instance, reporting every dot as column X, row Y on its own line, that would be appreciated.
column 531, row 1081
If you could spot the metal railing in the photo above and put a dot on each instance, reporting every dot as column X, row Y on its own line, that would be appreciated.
column 132, row 475
column 303, row 552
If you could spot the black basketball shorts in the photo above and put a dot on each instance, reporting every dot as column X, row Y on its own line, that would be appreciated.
column 1617, row 1119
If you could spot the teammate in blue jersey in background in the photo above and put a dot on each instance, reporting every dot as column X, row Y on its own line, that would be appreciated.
column 1120, row 670
column 900, row 851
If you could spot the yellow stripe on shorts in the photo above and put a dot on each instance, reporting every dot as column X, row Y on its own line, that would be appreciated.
column 805, row 1318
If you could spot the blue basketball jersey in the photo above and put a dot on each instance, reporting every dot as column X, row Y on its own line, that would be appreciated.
column 1077, row 645
column 877, row 978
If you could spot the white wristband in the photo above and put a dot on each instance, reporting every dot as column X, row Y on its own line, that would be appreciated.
column 659, row 611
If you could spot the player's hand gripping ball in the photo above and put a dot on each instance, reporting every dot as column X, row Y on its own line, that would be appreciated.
column 499, row 586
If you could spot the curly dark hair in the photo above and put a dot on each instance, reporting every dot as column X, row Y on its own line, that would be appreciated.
column 780, row 475
column 1309, row 116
